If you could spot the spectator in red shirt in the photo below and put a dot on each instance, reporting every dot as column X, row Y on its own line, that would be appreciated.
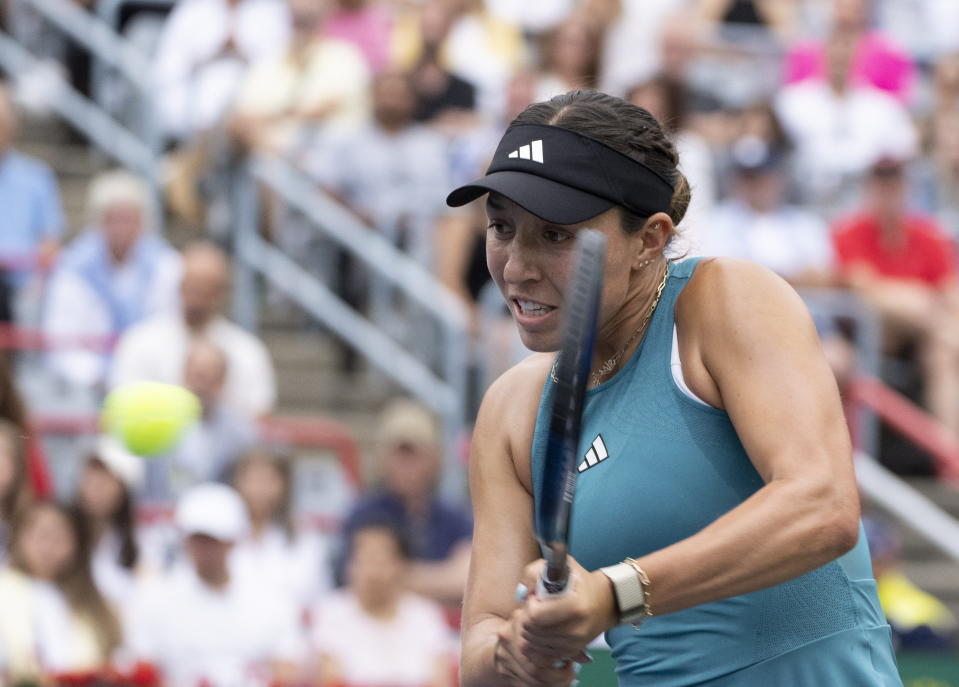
column 904, row 266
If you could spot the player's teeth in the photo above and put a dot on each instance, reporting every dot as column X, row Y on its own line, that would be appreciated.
column 531, row 308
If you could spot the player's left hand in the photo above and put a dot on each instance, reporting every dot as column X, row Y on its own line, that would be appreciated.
column 560, row 627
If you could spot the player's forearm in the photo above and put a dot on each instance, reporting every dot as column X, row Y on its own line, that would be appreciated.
column 784, row 530
column 478, row 659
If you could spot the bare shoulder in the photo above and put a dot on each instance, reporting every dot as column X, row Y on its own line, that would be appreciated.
column 737, row 295
column 507, row 417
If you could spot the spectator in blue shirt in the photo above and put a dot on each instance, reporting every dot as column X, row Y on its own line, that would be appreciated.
column 438, row 533
column 31, row 223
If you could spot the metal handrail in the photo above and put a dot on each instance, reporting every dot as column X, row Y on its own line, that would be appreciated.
column 867, row 336
column 445, row 393
column 113, row 139
column 896, row 496
column 367, row 245
column 98, row 37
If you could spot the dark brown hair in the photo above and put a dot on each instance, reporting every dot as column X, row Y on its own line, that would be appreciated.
column 18, row 495
column 76, row 578
column 122, row 520
column 624, row 127
column 281, row 464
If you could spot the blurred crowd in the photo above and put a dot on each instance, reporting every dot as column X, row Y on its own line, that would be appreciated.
column 820, row 138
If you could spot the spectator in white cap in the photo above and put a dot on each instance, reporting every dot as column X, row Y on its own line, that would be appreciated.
column 105, row 506
column 200, row 624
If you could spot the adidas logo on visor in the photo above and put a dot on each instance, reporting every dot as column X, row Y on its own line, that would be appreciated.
column 533, row 151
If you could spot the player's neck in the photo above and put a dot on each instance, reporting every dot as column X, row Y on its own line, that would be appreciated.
column 620, row 336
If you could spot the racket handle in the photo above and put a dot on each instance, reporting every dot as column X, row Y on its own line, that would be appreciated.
column 546, row 587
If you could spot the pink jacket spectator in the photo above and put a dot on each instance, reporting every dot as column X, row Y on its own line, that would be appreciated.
column 367, row 28
column 878, row 62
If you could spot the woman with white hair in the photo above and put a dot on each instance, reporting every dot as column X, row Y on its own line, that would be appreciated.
column 117, row 272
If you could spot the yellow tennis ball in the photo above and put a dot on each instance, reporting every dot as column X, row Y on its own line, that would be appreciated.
column 149, row 417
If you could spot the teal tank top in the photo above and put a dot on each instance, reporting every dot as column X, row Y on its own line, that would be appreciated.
column 657, row 467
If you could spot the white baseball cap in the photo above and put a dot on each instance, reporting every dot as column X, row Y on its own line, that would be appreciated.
column 215, row 510
column 122, row 464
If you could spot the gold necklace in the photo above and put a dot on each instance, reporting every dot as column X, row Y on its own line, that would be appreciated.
column 607, row 367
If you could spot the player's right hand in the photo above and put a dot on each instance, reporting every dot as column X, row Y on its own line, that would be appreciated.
column 519, row 664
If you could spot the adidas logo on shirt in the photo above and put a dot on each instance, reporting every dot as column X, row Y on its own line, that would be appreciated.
column 533, row 151
column 596, row 454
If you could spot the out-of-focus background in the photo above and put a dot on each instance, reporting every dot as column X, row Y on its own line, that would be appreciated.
column 246, row 197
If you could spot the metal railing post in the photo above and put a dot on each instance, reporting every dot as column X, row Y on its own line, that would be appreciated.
column 245, row 211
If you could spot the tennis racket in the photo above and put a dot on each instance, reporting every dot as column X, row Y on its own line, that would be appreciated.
column 570, row 376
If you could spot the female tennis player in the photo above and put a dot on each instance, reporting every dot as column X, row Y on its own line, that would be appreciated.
column 715, row 532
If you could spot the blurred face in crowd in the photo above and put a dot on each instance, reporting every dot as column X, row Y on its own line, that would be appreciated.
column 101, row 492
column 651, row 97
column 946, row 76
column 520, row 93
column 393, row 100
column 209, row 556
column 307, row 15
column 377, row 567
column 7, row 120
column 572, row 49
column 45, row 545
column 887, row 190
column 411, row 468
column 122, row 225
column 851, row 14
column 947, row 142
column 434, row 22
column 761, row 190
column 204, row 285
column 262, row 487
column 205, row 372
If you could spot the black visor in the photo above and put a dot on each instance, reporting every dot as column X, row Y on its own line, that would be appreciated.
column 565, row 178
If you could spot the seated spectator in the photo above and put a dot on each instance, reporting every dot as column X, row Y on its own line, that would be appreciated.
column 54, row 621
column 39, row 482
column 200, row 624
column 319, row 86
column 941, row 144
column 442, row 97
column 33, row 221
column 388, row 172
column 633, row 39
column 106, row 508
column 876, row 61
column 534, row 18
column 374, row 632
column 156, row 350
column 207, row 450
column 570, row 57
column 919, row 621
column 408, row 445
column 199, row 71
column 275, row 551
column 15, row 491
column 904, row 265
column 778, row 16
column 115, row 274
column 480, row 48
column 667, row 99
column 756, row 223
column 839, row 128
column 365, row 23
